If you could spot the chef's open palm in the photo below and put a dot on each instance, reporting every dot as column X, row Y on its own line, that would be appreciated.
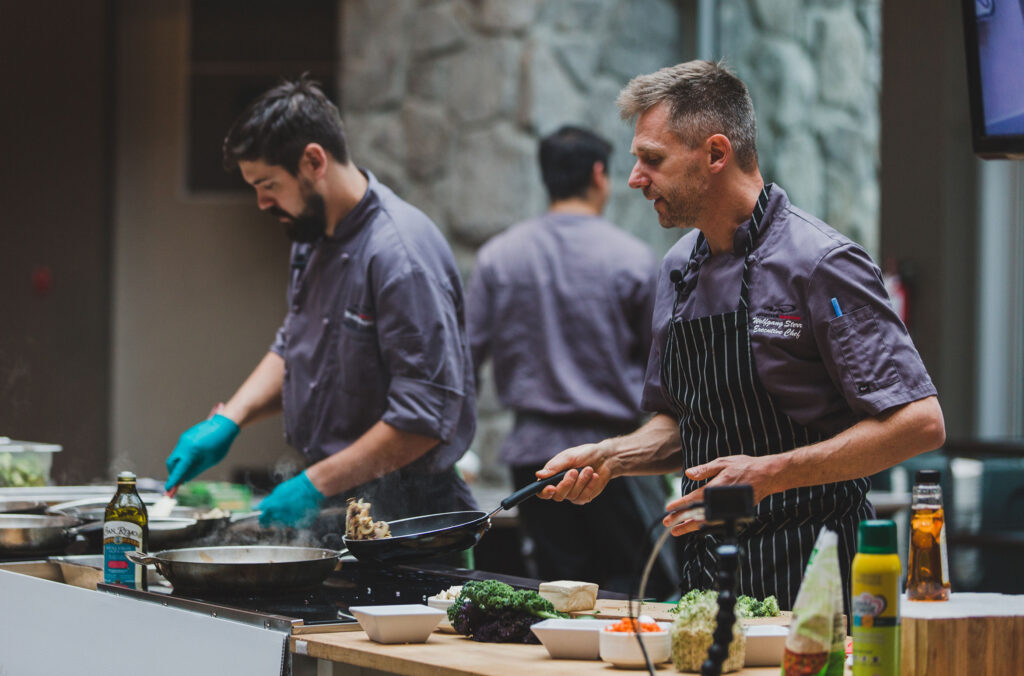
column 727, row 470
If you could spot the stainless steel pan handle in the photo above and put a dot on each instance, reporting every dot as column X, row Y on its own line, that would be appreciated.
column 248, row 516
column 140, row 558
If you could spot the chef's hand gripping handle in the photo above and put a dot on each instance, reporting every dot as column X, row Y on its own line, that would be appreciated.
column 531, row 490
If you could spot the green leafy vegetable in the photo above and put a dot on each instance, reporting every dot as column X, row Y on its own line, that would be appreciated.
column 492, row 611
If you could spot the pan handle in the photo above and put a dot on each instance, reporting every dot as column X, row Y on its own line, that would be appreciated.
column 531, row 490
column 140, row 558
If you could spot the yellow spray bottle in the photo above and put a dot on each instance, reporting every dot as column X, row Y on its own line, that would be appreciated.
column 876, row 601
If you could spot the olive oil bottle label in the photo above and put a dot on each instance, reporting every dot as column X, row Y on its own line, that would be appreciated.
column 120, row 537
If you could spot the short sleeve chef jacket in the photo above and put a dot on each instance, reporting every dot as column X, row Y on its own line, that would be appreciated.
column 376, row 331
column 826, row 372
column 562, row 303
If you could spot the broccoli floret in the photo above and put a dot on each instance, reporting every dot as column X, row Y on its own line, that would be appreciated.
column 488, row 610
column 770, row 607
column 746, row 606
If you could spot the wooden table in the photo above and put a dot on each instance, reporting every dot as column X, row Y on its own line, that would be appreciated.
column 455, row 655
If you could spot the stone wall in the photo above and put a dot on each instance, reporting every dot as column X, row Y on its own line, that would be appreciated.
column 813, row 68
column 445, row 100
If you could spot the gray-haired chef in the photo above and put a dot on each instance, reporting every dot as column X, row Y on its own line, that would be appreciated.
column 756, row 376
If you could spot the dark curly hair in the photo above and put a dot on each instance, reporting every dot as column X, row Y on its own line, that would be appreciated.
column 277, row 127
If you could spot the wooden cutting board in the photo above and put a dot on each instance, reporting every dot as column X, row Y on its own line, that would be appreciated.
column 659, row 612
column 455, row 655
column 969, row 634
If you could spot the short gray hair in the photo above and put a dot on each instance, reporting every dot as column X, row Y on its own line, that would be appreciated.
column 703, row 98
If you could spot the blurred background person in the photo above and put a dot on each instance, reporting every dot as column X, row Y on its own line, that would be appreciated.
column 562, row 305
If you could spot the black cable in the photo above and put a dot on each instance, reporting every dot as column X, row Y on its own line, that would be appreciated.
column 644, row 574
column 728, row 556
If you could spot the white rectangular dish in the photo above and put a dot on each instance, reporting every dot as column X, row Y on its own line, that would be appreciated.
column 571, row 639
column 403, row 623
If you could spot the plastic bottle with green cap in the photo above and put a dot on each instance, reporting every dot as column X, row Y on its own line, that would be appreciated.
column 876, row 600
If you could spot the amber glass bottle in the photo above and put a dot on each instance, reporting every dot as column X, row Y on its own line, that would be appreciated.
column 928, row 565
column 125, row 527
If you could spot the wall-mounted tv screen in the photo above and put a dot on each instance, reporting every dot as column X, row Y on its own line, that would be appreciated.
column 994, row 38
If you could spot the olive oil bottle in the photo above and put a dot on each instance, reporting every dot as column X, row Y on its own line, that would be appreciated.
column 125, row 528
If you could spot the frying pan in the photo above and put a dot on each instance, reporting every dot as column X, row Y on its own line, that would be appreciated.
column 183, row 525
column 22, row 506
column 273, row 569
column 420, row 537
column 33, row 533
column 256, row 569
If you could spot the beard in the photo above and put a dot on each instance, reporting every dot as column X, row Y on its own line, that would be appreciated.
column 308, row 226
column 683, row 204
column 679, row 211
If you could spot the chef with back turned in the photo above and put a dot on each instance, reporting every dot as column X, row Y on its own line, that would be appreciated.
column 561, row 305
column 371, row 367
column 777, row 358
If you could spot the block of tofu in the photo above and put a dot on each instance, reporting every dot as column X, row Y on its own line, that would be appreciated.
column 569, row 595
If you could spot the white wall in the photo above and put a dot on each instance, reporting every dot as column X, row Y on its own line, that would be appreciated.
column 198, row 281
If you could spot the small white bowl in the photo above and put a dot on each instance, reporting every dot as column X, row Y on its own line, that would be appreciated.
column 405, row 623
column 765, row 645
column 571, row 639
column 442, row 604
column 621, row 647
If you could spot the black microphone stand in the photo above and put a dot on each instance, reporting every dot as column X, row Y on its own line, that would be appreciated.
column 726, row 509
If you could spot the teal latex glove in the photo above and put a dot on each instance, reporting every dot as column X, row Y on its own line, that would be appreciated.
column 295, row 502
column 200, row 448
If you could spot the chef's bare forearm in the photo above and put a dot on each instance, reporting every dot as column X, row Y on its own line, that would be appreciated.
column 654, row 448
column 381, row 449
column 260, row 395
column 870, row 446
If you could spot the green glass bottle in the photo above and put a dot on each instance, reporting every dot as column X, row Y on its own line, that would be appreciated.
column 125, row 528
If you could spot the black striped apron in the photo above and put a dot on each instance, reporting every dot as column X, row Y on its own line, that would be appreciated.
column 723, row 409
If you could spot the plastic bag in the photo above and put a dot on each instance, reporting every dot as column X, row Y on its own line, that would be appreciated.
column 816, row 645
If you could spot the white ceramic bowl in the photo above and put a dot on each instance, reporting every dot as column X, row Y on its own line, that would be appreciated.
column 442, row 604
column 407, row 623
column 571, row 639
column 765, row 645
column 621, row 647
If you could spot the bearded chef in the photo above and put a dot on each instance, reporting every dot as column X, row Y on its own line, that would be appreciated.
column 371, row 366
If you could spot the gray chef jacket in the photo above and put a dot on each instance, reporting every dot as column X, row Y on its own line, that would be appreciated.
column 826, row 372
column 563, row 303
column 375, row 331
